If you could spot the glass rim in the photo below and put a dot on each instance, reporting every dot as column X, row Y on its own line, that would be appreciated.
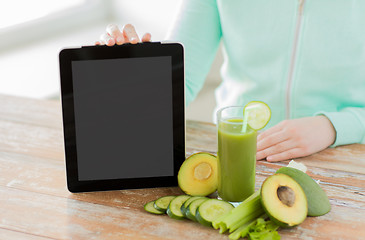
column 219, row 114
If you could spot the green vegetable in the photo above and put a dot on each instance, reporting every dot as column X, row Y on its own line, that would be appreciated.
column 173, row 210
column 264, row 230
column 210, row 210
column 163, row 202
column 191, row 210
column 246, row 212
column 184, row 207
column 246, row 220
column 241, row 231
column 149, row 207
column 258, row 229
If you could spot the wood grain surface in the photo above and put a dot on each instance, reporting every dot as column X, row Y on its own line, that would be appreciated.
column 35, row 203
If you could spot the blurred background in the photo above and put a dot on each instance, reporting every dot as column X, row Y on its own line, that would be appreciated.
column 33, row 32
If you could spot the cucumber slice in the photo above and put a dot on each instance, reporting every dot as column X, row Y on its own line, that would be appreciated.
column 173, row 210
column 257, row 114
column 191, row 210
column 151, row 209
column 212, row 209
column 185, row 206
column 162, row 203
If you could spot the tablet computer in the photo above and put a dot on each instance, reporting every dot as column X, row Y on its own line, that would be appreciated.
column 123, row 115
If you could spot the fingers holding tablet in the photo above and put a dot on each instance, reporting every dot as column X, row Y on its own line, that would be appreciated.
column 106, row 39
column 114, row 35
column 146, row 37
column 130, row 34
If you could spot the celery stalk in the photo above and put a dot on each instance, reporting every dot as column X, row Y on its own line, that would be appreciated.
column 240, row 210
column 244, row 209
column 242, row 231
column 246, row 219
column 219, row 221
column 248, row 210
column 223, row 228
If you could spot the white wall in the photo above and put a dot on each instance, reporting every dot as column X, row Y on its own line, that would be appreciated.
column 29, row 50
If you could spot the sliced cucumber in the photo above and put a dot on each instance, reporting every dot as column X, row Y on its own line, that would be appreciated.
column 212, row 209
column 257, row 114
column 162, row 203
column 151, row 209
column 185, row 206
column 173, row 210
column 191, row 210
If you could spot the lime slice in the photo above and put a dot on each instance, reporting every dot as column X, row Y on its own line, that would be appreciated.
column 258, row 114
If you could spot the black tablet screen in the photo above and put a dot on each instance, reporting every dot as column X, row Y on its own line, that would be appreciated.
column 123, row 122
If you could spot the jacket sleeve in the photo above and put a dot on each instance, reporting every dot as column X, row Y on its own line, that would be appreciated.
column 349, row 124
column 197, row 27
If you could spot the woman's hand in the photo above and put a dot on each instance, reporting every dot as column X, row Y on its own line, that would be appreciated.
column 295, row 138
column 114, row 36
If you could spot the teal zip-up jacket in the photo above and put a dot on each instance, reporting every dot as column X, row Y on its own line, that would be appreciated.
column 301, row 57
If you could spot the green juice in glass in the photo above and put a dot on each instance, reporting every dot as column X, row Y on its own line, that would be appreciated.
column 236, row 160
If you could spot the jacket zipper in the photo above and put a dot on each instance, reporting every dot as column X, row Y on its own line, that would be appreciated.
column 293, row 58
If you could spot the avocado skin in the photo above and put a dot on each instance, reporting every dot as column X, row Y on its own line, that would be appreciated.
column 318, row 203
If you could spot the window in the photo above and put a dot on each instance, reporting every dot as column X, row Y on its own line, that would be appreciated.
column 32, row 32
column 16, row 12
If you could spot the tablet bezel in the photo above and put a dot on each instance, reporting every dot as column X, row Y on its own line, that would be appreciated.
column 151, row 49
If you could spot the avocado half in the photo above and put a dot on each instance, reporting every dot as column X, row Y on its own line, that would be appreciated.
column 284, row 200
column 318, row 203
column 198, row 174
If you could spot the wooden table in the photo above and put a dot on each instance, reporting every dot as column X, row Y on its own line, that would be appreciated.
column 35, row 204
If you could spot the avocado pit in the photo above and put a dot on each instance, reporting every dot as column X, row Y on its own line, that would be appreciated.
column 202, row 171
column 286, row 195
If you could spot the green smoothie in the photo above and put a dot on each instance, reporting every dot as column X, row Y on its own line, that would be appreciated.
column 236, row 160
